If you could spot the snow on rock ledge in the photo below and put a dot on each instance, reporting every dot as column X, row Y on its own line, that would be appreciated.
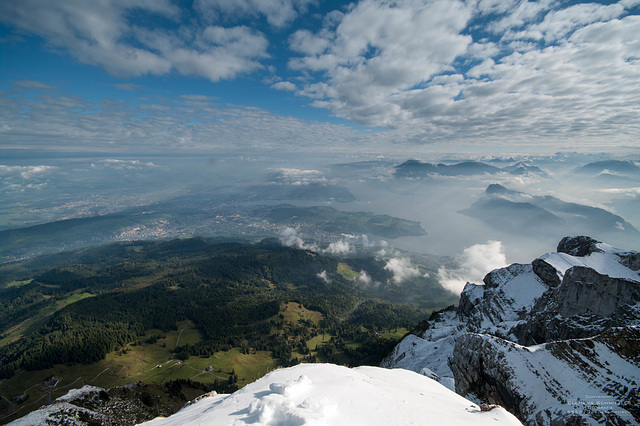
column 327, row 394
column 573, row 381
column 551, row 309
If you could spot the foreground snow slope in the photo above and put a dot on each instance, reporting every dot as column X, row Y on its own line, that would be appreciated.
column 327, row 394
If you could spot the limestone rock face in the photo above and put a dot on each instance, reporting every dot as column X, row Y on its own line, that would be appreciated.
column 577, row 381
column 556, row 341
column 586, row 303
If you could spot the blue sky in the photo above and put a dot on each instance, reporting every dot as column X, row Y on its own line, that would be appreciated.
column 270, row 76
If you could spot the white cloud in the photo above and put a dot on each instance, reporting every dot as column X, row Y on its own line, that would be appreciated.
column 482, row 71
column 625, row 192
column 479, row 71
column 33, row 84
column 324, row 276
column 401, row 269
column 116, row 164
column 560, row 23
column 475, row 262
column 379, row 49
column 304, row 41
column 293, row 176
column 284, row 85
column 101, row 34
column 364, row 278
column 290, row 238
column 52, row 119
column 338, row 248
column 25, row 172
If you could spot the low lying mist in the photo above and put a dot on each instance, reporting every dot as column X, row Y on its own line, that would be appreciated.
column 590, row 195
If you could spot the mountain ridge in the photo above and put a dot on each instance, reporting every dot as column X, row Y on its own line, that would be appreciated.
column 577, row 308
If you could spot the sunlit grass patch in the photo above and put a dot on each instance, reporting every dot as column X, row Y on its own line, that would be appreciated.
column 346, row 271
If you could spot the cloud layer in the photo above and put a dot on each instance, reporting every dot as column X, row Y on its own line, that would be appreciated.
column 49, row 118
column 440, row 71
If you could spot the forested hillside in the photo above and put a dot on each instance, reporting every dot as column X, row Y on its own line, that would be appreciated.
column 278, row 304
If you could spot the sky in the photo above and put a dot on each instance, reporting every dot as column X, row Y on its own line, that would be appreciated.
column 310, row 76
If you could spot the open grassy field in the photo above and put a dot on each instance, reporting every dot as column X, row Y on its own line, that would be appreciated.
column 294, row 312
column 346, row 271
column 18, row 283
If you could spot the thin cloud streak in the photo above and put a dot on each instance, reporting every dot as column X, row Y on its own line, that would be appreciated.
column 55, row 120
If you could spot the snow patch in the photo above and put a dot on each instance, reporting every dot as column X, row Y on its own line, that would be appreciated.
column 604, row 263
column 78, row 393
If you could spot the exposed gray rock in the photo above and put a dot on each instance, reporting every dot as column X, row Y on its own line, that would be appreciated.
column 591, row 380
column 578, row 246
column 586, row 303
column 584, row 291
column 630, row 260
column 547, row 273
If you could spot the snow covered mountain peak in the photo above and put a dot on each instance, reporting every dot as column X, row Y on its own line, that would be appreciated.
column 570, row 317
column 327, row 394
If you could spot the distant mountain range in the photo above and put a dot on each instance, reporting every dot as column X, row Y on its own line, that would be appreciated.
column 521, row 213
column 611, row 172
column 556, row 341
column 610, row 166
column 418, row 169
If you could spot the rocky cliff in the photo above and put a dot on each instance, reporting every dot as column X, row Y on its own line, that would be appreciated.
column 556, row 341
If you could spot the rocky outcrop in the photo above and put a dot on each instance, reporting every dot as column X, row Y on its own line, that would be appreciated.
column 547, row 273
column 630, row 260
column 119, row 406
column 578, row 246
column 542, row 327
column 586, row 303
column 581, row 381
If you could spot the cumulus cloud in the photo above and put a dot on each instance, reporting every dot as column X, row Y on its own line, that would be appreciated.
column 344, row 246
column 364, row 278
column 284, row 85
column 475, row 262
column 102, row 34
column 438, row 71
column 340, row 248
column 401, row 269
column 428, row 71
column 289, row 237
column 16, row 179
